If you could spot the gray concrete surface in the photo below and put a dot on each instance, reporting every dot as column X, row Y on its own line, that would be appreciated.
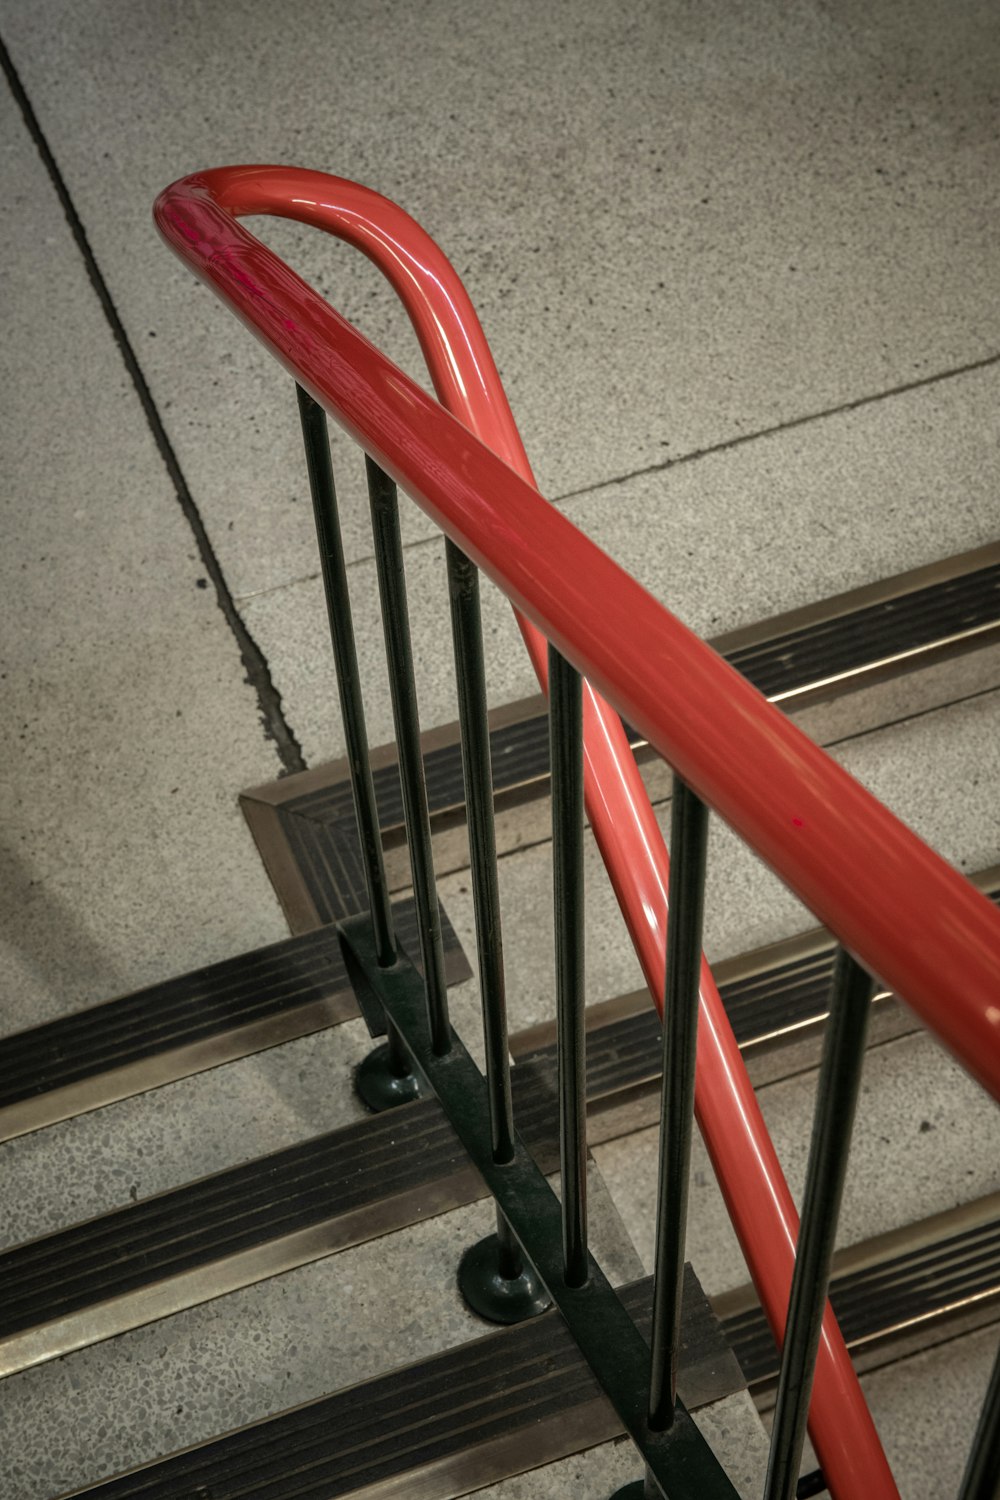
column 928, row 1456
column 740, row 535
column 680, row 227
column 683, row 228
column 156, row 1141
column 926, row 1408
column 747, row 532
column 290, row 625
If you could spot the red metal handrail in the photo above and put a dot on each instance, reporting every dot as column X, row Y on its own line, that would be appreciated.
column 897, row 906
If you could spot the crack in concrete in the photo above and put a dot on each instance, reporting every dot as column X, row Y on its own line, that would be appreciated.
column 258, row 674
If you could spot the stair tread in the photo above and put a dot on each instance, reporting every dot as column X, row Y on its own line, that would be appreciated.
column 522, row 1383
column 913, row 613
column 522, row 1377
column 76, row 1062
column 941, row 1274
column 352, row 1182
column 746, row 905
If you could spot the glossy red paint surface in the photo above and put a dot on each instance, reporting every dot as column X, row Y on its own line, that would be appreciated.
column 898, row 907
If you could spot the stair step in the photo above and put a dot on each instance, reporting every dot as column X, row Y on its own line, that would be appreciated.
column 290, row 989
column 947, row 1381
column 139, row 1264
column 90, row 1281
column 264, row 1348
column 527, row 1399
column 804, row 657
column 200, row 1020
column 508, row 1401
column 925, row 1139
column 746, row 907
column 775, row 996
column 905, row 1286
column 177, row 1249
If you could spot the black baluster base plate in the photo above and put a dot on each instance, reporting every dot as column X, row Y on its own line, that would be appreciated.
column 380, row 1088
column 497, row 1298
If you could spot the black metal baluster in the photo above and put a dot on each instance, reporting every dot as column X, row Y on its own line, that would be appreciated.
column 494, row 1277
column 686, row 903
column 688, row 854
column 399, row 654
column 836, row 1100
column 394, row 1078
column 470, row 676
column 981, row 1480
column 566, row 761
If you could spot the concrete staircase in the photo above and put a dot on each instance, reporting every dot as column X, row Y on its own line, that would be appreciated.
column 762, row 374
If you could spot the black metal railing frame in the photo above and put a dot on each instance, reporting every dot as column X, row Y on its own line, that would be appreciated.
column 539, row 1254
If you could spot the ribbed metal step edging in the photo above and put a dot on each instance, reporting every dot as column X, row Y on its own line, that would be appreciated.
column 912, row 1280
column 147, row 1260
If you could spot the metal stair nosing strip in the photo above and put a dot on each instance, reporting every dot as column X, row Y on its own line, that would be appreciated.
column 893, row 1295
column 509, row 1401
column 805, row 656
column 183, row 1026
column 145, row 1261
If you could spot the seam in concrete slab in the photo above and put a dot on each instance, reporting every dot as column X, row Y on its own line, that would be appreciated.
column 811, row 1070
column 762, row 432
column 291, row 583
column 921, row 713
column 258, row 675
column 315, row 575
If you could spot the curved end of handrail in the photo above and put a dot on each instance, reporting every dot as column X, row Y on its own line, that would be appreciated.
column 458, row 357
